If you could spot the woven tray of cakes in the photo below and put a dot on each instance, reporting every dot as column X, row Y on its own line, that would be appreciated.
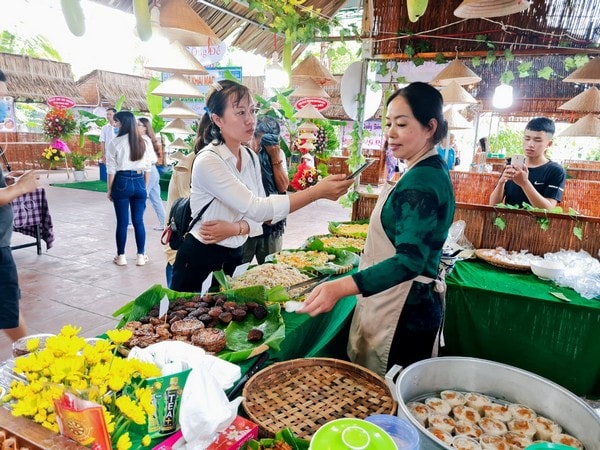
column 304, row 394
column 504, row 259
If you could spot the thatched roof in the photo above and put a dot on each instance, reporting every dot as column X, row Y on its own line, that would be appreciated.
column 227, row 19
column 547, row 26
column 110, row 86
column 33, row 79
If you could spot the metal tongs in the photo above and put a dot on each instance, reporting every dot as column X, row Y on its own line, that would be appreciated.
column 311, row 283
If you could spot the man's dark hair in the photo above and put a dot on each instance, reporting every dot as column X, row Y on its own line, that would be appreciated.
column 267, row 125
column 541, row 124
column 111, row 109
column 2, row 76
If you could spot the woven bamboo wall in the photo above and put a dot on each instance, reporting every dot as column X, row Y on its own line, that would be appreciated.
column 374, row 174
column 23, row 150
column 522, row 232
column 579, row 164
column 584, row 174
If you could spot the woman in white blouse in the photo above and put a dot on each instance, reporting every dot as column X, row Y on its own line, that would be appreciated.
column 128, row 163
column 226, row 176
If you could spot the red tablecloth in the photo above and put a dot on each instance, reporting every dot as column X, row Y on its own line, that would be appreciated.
column 30, row 212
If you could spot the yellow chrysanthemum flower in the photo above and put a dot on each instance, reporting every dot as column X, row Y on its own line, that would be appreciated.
column 124, row 443
column 146, row 440
column 119, row 336
column 32, row 344
column 69, row 331
column 131, row 409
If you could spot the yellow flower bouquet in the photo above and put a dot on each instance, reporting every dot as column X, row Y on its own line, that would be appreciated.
column 53, row 155
column 69, row 371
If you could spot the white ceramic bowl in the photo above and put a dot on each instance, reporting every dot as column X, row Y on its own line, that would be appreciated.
column 547, row 270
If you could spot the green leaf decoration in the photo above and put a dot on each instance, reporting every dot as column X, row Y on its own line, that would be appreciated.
column 556, row 210
column 545, row 73
column 507, row 77
column 418, row 61
column 476, row 61
column 410, row 51
column 508, row 55
column 578, row 232
column 524, row 69
column 544, row 223
column 490, row 58
column 500, row 223
column 573, row 212
column 440, row 58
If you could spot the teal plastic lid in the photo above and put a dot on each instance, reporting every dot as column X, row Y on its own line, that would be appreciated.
column 548, row 446
column 351, row 434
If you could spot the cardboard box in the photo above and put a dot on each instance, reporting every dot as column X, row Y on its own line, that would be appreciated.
column 235, row 435
column 168, row 443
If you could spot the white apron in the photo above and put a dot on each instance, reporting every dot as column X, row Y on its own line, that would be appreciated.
column 376, row 317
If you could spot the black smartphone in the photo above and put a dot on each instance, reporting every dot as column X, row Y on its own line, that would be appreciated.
column 359, row 170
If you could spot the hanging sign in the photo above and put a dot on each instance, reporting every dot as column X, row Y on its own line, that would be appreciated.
column 61, row 102
column 319, row 103
column 209, row 54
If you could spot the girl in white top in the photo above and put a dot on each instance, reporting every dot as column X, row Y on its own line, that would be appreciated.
column 128, row 162
column 145, row 128
column 227, row 175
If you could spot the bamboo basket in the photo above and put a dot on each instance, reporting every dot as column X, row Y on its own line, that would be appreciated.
column 304, row 394
column 363, row 207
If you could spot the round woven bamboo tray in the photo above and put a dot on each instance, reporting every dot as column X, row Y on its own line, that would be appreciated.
column 482, row 254
column 303, row 394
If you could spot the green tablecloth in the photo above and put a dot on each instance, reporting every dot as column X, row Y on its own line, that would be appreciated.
column 323, row 336
column 510, row 317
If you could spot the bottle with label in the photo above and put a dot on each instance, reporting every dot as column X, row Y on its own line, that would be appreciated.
column 153, row 422
column 171, row 404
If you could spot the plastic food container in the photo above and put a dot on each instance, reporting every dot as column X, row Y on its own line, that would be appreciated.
column 402, row 432
column 351, row 434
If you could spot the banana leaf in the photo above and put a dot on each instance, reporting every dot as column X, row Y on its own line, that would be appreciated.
column 342, row 263
column 334, row 227
column 238, row 347
column 286, row 435
column 314, row 243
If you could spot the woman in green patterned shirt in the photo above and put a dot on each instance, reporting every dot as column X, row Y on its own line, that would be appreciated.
column 399, row 296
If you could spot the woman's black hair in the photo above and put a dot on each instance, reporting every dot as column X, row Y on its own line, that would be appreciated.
column 216, row 103
column 137, row 146
column 426, row 103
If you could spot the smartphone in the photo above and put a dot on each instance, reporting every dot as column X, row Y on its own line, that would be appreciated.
column 359, row 170
column 518, row 161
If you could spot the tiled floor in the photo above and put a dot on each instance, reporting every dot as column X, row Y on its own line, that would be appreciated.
column 75, row 282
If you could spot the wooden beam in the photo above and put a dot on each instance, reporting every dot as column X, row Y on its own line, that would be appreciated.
column 483, row 54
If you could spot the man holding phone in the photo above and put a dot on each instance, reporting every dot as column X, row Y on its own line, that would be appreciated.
column 532, row 178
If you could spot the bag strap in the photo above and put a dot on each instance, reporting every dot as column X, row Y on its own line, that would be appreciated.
column 199, row 216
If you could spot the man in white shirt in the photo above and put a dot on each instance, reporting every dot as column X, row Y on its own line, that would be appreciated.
column 107, row 134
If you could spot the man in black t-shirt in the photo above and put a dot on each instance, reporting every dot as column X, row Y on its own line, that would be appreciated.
column 539, row 181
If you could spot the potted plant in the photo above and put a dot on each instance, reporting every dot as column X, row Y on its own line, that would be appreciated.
column 78, row 164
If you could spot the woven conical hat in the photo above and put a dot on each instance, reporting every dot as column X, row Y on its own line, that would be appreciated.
column 308, row 127
column 178, row 110
column 588, row 73
column 312, row 69
column 179, row 22
column 177, row 126
column 455, row 120
column 308, row 146
column 455, row 94
column 308, row 112
column 458, row 72
column 474, row 9
column 587, row 101
column 586, row 126
column 177, row 86
column 175, row 59
column 309, row 89
column 178, row 143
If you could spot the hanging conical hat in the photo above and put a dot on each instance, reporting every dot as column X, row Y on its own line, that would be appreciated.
column 308, row 127
column 586, row 126
column 588, row 73
column 309, row 89
column 177, row 86
column 175, row 59
column 474, row 9
column 307, row 135
column 458, row 72
column 308, row 146
column 177, row 126
column 308, row 112
column 179, row 22
column 455, row 94
column 455, row 120
column 178, row 109
column 312, row 69
column 178, row 143
column 587, row 101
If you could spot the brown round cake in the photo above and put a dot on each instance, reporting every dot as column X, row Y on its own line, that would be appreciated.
column 210, row 339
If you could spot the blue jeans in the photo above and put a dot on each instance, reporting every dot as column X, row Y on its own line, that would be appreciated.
column 129, row 192
column 154, row 196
